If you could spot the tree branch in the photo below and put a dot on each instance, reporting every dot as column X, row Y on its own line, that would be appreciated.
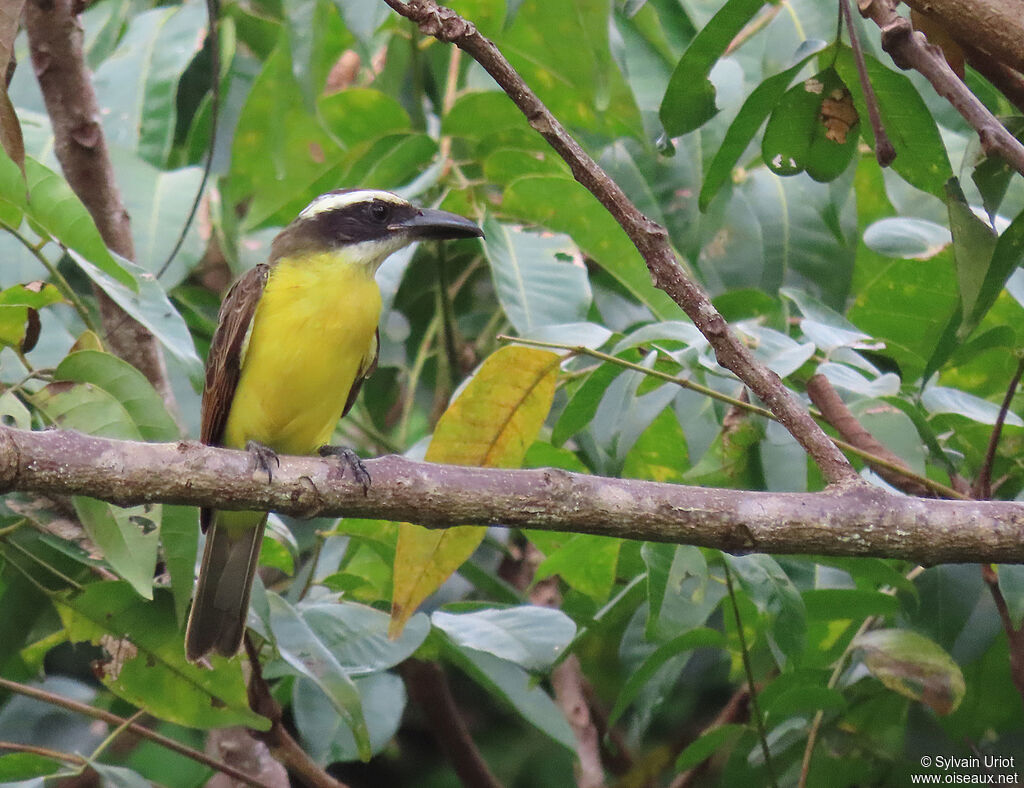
column 650, row 238
column 856, row 521
column 995, row 26
column 909, row 49
column 55, row 41
column 427, row 686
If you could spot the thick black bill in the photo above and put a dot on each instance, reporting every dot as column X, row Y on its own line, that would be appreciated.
column 431, row 224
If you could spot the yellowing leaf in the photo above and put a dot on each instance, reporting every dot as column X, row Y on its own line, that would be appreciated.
column 491, row 424
column 913, row 666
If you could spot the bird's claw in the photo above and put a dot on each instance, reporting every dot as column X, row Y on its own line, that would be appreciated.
column 262, row 457
column 351, row 459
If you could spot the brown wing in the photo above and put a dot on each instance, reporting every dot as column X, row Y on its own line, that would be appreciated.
column 224, row 363
column 365, row 370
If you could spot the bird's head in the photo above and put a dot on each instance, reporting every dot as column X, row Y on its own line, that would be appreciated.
column 366, row 225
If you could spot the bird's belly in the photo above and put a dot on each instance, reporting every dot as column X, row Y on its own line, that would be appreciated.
column 310, row 336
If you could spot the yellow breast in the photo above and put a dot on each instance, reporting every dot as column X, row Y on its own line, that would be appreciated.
column 312, row 333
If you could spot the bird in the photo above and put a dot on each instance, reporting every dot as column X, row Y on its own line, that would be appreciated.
column 295, row 339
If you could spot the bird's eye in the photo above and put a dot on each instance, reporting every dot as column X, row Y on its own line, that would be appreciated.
column 379, row 211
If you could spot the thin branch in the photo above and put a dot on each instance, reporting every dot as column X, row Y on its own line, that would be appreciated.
column 856, row 521
column 428, row 688
column 213, row 38
column 650, row 238
column 281, row 744
column 55, row 39
column 983, row 485
column 138, row 730
column 909, row 49
column 755, row 708
column 45, row 752
column 884, row 151
column 1014, row 634
column 834, row 410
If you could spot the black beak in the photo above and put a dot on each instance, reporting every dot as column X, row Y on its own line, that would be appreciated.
column 433, row 225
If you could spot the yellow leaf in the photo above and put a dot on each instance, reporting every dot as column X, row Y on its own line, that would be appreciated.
column 491, row 424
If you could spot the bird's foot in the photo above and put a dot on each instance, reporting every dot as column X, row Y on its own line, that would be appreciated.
column 351, row 459
column 263, row 457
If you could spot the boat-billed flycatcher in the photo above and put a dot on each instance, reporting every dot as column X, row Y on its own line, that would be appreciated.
column 296, row 337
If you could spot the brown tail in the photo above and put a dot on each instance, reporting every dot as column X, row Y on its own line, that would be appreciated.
column 221, row 603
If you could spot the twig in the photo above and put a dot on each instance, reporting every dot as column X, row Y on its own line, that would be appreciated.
column 755, row 708
column 650, row 238
column 138, row 730
column 1014, row 634
column 213, row 14
column 45, row 752
column 282, row 746
column 56, row 44
column 983, row 485
column 835, row 412
column 884, row 151
column 426, row 684
column 909, row 49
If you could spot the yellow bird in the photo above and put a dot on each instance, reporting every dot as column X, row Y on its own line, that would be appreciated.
column 295, row 339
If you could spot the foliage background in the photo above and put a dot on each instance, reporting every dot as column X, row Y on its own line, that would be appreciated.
column 857, row 277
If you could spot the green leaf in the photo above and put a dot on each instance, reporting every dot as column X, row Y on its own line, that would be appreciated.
column 679, row 594
column 530, row 636
column 180, row 540
column 942, row 399
column 913, row 666
column 690, row 98
column 357, row 635
column 770, row 588
column 145, row 661
column 327, row 738
column 1007, row 256
column 707, row 744
column 516, row 687
column 147, row 302
column 920, row 153
column 536, row 277
column 583, row 403
column 695, row 638
column 53, row 207
column 973, row 244
column 748, row 120
column 159, row 202
column 584, row 561
column 137, row 85
column 19, row 766
column 126, row 385
column 563, row 205
column 906, row 237
column 127, row 536
column 308, row 656
column 813, row 128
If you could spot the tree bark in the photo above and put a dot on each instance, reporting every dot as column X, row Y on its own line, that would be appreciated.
column 858, row 520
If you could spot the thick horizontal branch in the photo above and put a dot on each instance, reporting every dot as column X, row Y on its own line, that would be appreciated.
column 856, row 521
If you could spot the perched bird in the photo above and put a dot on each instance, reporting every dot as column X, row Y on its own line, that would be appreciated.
column 295, row 339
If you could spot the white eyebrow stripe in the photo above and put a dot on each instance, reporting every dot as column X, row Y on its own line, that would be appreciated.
column 333, row 201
